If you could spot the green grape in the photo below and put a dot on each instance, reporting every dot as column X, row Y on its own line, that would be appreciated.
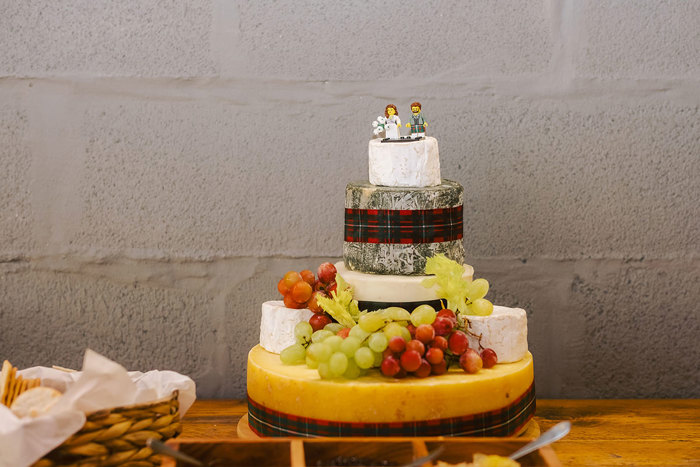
column 333, row 327
column 478, row 289
column 423, row 314
column 378, row 342
column 352, row 371
column 303, row 332
column 320, row 336
column 333, row 342
column 393, row 329
column 406, row 334
column 364, row 357
column 378, row 357
column 396, row 313
column 371, row 322
column 481, row 307
column 293, row 355
column 357, row 331
column 311, row 362
column 349, row 345
column 338, row 363
column 319, row 352
column 324, row 371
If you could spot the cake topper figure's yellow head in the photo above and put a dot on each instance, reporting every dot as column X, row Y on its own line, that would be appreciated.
column 390, row 110
column 415, row 107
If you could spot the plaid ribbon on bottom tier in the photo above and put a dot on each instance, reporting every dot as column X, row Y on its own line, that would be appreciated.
column 505, row 421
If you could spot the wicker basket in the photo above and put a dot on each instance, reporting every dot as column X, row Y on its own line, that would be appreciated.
column 118, row 436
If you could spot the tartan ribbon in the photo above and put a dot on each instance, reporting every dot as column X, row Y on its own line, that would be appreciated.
column 404, row 226
column 505, row 421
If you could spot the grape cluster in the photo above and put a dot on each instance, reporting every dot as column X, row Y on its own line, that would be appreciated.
column 397, row 342
column 301, row 290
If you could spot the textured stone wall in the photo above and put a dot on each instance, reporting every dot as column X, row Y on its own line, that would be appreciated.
column 164, row 163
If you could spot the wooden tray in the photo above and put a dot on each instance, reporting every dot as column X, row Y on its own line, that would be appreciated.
column 297, row 452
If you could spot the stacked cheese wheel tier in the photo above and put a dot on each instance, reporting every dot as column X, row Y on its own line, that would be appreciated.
column 404, row 163
column 378, row 291
column 294, row 401
column 394, row 230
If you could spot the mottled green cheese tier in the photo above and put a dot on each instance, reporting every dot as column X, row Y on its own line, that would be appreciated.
column 364, row 195
column 394, row 258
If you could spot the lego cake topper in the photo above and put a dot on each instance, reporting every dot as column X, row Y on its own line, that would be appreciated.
column 416, row 122
column 390, row 124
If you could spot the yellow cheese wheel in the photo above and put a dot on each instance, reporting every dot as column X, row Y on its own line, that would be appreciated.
column 299, row 391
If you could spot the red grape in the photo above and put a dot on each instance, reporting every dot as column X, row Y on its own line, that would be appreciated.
column 434, row 355
column 416, row 345
column 308, row 277
column 439, row 368
column 458, row 342
column 412, row 329
column 489, row 357
column 331, row 287
column 443, row 325
column 470, row 361
column 390, row 366
column 289, row 302
column 282, row 287
column 319, row 321
column 301, row 292
column 313, row 303
column 388, row 353
column 425, row 333
column 397, row 344
column 326, row 272
column 439, row 342
column 423, row 370
column 446, row 312
column 291, row 278
column 343, row 332
column 410, row 360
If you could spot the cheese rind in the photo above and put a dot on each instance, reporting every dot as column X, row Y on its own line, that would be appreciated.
column 505, row 331
column 277, row 325
column 298, row 390
column 391, row 288
column 414, row 163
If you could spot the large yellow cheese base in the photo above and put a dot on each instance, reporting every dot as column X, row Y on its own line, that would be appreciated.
column 299, row 390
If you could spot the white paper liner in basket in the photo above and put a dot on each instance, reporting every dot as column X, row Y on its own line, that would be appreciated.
column 102, row 384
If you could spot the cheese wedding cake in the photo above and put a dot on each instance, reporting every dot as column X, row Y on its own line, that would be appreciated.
column 397, row 339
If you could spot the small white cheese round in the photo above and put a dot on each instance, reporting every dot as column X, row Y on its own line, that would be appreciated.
column 277, row 325
column 414, row 163
column 504, row 330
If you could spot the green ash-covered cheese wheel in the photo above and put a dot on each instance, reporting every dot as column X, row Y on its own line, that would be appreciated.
column 393, row 230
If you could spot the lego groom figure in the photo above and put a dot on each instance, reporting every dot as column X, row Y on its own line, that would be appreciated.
column 417, row 122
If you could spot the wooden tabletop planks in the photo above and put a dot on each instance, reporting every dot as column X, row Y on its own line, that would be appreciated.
column 605, row 432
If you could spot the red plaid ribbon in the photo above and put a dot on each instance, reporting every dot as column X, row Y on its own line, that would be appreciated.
column 502, row 422
column 404, row 226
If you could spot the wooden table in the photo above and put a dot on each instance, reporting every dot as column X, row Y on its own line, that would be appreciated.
column 605, row 432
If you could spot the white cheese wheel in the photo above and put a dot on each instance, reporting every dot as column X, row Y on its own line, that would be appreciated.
column 414, row 163
column 277, row 325
column 504, row 330
column 390, row 288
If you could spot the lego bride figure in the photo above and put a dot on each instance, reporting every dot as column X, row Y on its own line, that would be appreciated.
column 393, row 122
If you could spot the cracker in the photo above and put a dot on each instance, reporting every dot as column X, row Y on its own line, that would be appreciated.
column 4, row 380
column 14, row 390
column 9, row 385
column 35, row 402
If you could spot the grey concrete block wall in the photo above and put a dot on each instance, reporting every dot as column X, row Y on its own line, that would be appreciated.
column 165, row 163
